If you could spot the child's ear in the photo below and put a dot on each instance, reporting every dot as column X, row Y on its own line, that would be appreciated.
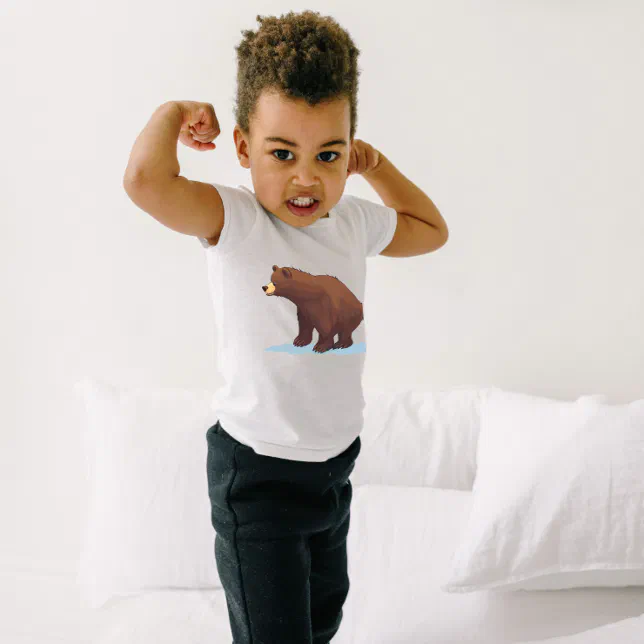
column 242, row 146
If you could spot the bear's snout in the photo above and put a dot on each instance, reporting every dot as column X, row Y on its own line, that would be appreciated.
column 269, row 289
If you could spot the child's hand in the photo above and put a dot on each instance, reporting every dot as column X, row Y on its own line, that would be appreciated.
column 199, row 125
column 362, row 158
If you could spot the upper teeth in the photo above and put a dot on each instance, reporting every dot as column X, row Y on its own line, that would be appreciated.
column 303, row 201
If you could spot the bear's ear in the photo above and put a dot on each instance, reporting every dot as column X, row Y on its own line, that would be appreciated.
column 286, row 273
column 274, row 267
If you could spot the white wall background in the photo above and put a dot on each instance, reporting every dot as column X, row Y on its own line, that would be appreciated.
column 521, row 120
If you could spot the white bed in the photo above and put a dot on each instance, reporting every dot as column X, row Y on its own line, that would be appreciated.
column 389, row 601
column 412, row 499
column 395, row 568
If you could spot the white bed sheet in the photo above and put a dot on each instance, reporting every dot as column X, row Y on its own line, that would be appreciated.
column 399, row 546
column 400, row 543
column 201, row 617
column 168, row 617
column 626, row 631
column 46, row 610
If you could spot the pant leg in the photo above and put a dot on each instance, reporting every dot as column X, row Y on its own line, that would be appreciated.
column 329, row 581
column 267, row 589
column 265, row 512
column 264, row 574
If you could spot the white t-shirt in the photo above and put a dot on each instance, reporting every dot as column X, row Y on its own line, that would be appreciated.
column 281, row 399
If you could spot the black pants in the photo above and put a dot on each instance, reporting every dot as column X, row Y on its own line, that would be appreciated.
column 280, row 540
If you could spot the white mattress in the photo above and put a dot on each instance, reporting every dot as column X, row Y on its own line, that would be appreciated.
column 201, row 617
column 400, row 542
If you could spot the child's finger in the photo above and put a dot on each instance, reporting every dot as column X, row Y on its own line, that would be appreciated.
column 373, row 158
column 363, row 160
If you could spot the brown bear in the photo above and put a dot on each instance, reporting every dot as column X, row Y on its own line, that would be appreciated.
column 323, row 302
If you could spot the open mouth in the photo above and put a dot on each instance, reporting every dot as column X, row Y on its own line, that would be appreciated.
column 302, row 211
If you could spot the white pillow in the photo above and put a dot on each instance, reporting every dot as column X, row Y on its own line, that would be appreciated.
column 558, row 499
column 419, row 438
column 148, row 523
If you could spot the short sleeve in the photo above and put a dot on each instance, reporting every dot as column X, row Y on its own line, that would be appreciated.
column 377, row 224
column 240, row 213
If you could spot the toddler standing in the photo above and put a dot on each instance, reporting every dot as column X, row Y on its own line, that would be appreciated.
column 286, row 268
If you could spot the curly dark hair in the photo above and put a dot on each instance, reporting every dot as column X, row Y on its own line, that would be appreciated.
column 299, row 55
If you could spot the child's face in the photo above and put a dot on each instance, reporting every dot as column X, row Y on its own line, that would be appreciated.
column 309, row 168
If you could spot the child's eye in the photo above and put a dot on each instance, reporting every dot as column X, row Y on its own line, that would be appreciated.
column 337, row 155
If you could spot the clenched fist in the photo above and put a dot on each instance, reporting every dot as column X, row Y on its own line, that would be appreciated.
column 362, row 158
column 199, row 125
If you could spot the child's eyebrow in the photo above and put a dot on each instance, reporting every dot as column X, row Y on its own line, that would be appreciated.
column 279, row 139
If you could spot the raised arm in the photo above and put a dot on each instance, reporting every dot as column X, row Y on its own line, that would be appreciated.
column 152, row 179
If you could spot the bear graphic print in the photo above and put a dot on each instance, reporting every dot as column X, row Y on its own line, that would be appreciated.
column 324, row 304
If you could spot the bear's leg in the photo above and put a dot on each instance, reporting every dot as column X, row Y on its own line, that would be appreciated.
column 344, row 340
column 325, row 342
column 305, row 333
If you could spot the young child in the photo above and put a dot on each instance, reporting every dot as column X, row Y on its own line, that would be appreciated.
column 287, row 284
